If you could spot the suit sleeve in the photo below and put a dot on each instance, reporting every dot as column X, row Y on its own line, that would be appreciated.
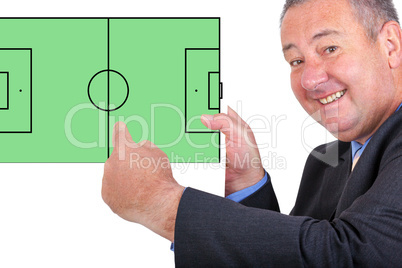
column 263, row 198
column 215, row 232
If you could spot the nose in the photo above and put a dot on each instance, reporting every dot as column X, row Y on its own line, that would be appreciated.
column 314, row 74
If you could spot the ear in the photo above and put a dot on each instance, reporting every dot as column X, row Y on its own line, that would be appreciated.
column 391, row 35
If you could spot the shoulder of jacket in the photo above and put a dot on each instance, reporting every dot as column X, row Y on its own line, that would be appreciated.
column 330, row 153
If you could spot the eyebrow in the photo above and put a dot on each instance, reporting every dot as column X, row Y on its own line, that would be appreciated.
column 325, row 33
column 317, row 36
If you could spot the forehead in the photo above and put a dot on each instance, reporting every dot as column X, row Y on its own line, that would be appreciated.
column 303, row 22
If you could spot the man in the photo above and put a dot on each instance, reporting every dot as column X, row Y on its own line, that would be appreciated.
column 346, row 72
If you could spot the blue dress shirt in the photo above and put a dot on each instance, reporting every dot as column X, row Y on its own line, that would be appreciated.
column 242, row 194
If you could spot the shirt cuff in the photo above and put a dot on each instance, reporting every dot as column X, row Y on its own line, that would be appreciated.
column 243, row 194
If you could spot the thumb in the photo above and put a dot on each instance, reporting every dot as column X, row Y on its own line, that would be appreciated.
column 221, row 122
column 121, row 135
column 216, row 122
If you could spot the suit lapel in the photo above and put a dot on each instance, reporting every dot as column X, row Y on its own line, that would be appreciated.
column 337, row 180
column 368, row 166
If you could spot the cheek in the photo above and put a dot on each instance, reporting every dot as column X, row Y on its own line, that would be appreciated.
column 359, row 74
column 346, row 70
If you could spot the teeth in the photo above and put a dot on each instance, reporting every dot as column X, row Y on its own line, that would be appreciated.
column 333, row 97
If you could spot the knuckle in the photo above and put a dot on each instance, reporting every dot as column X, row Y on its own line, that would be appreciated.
column 221, row 116
column 115, row 209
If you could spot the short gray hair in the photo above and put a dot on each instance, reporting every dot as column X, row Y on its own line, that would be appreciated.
column 371, row 13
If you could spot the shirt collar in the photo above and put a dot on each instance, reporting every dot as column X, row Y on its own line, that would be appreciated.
column 358, row 148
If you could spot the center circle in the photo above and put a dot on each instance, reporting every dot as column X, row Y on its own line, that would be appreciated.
column 108, row 90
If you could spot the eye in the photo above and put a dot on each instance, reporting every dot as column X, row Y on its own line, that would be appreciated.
column 295, row 63
column 330, row 50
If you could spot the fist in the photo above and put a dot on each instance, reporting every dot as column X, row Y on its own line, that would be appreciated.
column 243, row 161
column 138, row 183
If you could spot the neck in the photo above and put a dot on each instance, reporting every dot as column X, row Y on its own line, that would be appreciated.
column 393, row 107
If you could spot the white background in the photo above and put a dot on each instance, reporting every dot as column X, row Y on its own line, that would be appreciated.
column 52, row 215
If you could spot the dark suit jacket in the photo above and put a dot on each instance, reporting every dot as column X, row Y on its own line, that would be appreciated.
column 340, row 219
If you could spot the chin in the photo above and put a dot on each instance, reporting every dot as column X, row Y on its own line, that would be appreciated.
column 343, row 132
column 345, row 135
column 345, row 138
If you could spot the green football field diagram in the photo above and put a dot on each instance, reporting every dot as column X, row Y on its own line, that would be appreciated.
column 64, row 82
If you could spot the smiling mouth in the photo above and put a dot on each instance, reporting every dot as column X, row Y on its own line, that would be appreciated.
column 333, row 97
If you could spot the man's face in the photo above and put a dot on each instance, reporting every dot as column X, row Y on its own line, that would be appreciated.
column 338, row 74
